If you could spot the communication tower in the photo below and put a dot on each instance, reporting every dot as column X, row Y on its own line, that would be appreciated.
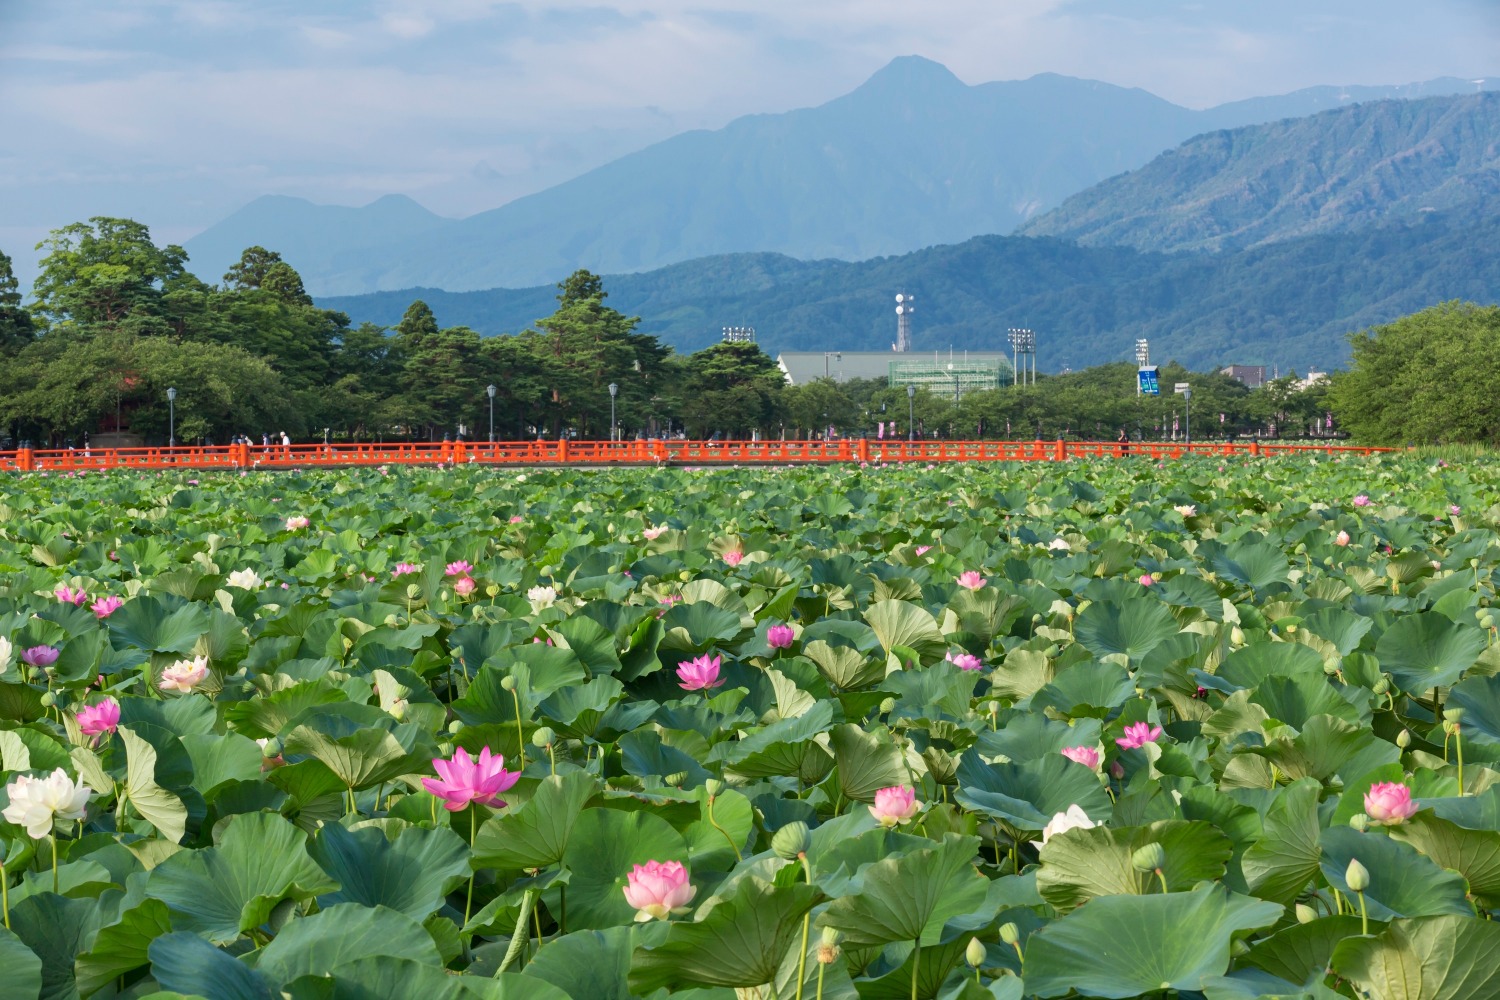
column 903, row 323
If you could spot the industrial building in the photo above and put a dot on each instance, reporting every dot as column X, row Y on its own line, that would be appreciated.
column 959, row 372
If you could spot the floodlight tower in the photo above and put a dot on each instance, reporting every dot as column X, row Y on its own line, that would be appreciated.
column 903, row 323
column 1022, row 347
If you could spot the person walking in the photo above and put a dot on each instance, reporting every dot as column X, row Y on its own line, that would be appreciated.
column 1123, row 442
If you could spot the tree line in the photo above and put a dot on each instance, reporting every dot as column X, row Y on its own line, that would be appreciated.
column 114, row 321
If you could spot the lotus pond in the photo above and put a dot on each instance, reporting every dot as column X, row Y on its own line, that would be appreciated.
column 1004, row 731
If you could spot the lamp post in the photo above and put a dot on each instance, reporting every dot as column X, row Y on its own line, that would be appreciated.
column 171, row 418
column 911, row 412
column 490, row 389
column 830, row 354
column 614, row 390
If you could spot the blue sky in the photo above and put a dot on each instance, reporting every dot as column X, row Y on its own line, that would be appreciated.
column 177, row 112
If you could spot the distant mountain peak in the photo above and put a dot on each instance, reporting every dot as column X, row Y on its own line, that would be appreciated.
column 905, row 74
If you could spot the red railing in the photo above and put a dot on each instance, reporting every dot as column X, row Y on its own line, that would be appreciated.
column 652, row 452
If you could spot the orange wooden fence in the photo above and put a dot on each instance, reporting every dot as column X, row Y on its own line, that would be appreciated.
column 652, row 452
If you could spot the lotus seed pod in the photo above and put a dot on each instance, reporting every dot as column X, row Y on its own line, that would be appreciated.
column 974, row 953
column 1381, row 686
column 492, row 591
column 1149, row 858
column 1331, row 669
column 887, row 706
column 831, row 936
column 48, row 699
column 1453, row 714
column 1360, row 822
column 413, row 591
column 713, row 786
column 456, row 726
column 1306, row 914
column 508, row 683
column 1403, row 739
column 1010, row 933
column 791, row 840
column 543, row 738
column 271, row 748
column 1357, row 877
column 675, row 778
column 684, row 576
column 1487, row 621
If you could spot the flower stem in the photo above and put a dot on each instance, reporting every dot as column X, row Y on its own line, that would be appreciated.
column 473, row 832
column 1458, row 742
column 738, row 857
column 821, row 969
column 53, row 838
column 520, row 734
column 4, row 895
column 1163, row 878
column 1364, row 916
column 802, row 957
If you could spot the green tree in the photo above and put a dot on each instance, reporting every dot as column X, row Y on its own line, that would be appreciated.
column 732, row 389
column 97, row 273
column 17, row 328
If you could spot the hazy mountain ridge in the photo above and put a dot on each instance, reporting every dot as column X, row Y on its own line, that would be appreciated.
column 1334, row 171
column 914, row 157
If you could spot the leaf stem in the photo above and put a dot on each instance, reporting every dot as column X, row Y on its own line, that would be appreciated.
column 515, row 693
column 916, row 963
column 738, row 857
column 53, row 838
column 1364, row 916
column 473, row 833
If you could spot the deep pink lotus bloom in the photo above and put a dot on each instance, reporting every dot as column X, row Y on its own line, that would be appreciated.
column 734, row 557
column 1455, row 509
column 515, row 519
column 405, row 569
column 1138, row 735
column 460, row 568
column 40, row 656
column 700, row 673
column 464, row 587
column 894, row 805
column 1361, row 501
column 1087, row 756
column 106, row 606
column 656, row 888
column 780, row 636
column 464, row 779
column 965, row 661
column 922, row 550
column 100, row 717
column 1147, row 579
column 68, row 595
column 1389, row 803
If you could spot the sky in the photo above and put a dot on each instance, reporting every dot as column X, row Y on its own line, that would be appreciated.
column 178, row 112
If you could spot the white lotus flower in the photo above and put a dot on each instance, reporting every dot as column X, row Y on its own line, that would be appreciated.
column 1059, row 545
column 245, row 579
column 184, row 675
column 1186, row 509
column 6, row 652
column 1074, row 819
column 541, row 597
column 37, row 803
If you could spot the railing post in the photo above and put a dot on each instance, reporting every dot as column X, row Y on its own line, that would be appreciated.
column 460, row 452
column 1254, row 447
column 1060, row 452
column 864, row 450
column 562, row 450
column 25, row 460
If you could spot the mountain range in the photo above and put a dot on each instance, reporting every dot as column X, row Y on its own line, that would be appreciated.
column 912, row 158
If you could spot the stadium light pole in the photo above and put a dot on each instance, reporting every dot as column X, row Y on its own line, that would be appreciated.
column 614, row 390
column 490, row 390
column 911, row 412
column 171, row 418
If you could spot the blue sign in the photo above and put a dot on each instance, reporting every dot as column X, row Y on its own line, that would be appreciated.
column 1148, row 383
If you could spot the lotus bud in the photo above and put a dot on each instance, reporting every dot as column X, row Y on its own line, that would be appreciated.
column 456, row 726
column 974, row 954
column 413, row 591
column 492, row 591
column 48, row 699
column 1453, row 715
column 543, row 738
column 1360, row 822
column 1010, row 933
column 1357, row 876
column 508, row 683
column 1330, row 669
column 1381, row 686
column 791, row 841
column 1306, row 914
column 714, row 787
column 1403, row 739
column 271, row 748
column 1152, row 857
column 1238, row 948
column 1487, row 621
column 887, row 706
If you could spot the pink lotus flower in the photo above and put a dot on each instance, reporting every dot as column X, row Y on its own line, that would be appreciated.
column 106, row 606
column 780, row 636
column 1454, row 509
column 184, row 675
column 1138, row 735
column 460, row 568
column 1389, row 803
column 894, row 805
column 515, row 519
column 40, row 656
column 971, row 580
column 1087, row 756
column 922, row 550
column 1361, row 501
column 464, row 586
column 405, row 569
column 965, row 661
column 657, row 888
column 700, row 673
column 734, row 557
column 465, row 779
column 671, row 599
column 296, row 523
column 652, row 534
column 1341, row 539
column 1147, row 579
column 100, row 717
column 67, row 595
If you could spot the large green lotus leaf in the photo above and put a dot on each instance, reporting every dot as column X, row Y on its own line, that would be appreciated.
column 1030, row 735
column 1279, row 865
column 1293, row 700
column 1248, row 666
column 55, row 928
column 23, row 969
column 1480, row 811
column 591, row 642
column 1427, row 650
column 911, row 896
column 80, row 656
column 122, row 946
column 785, row 747
column 362, row 759
column 1300, row 953
column 1133, row 627
column 1474, row 854
column 411, row 874
column 1128, row 946
column 536, row 835
column 222, row 891
column 185, row 963
column 146, row 623
column 593, row 964
column 1091, row 688
column 1029, row 794
column 844, row 667
column 738, row 943
column 538, row 670
column 343, row 934
column 1327, row 747
column 1342, row 628
column 901, row 623
column 939, row 691
column 1080, row 865
column 644, row 753
column 1479, row 697
column 384, row 977
column 1429, row 958
column 154, row 803
column 1403, row 882
column 696, row 627
column 577, row 709
column 259, row 718
column 866, row 761
column 933, row 965
column 1253, row 564
column 220, row 759
column 605, row 845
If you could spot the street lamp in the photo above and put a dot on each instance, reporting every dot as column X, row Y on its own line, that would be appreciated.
column 830, row 354
column 172, row 418
column 614, row 390
column 491, row 390
column 911, row 411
